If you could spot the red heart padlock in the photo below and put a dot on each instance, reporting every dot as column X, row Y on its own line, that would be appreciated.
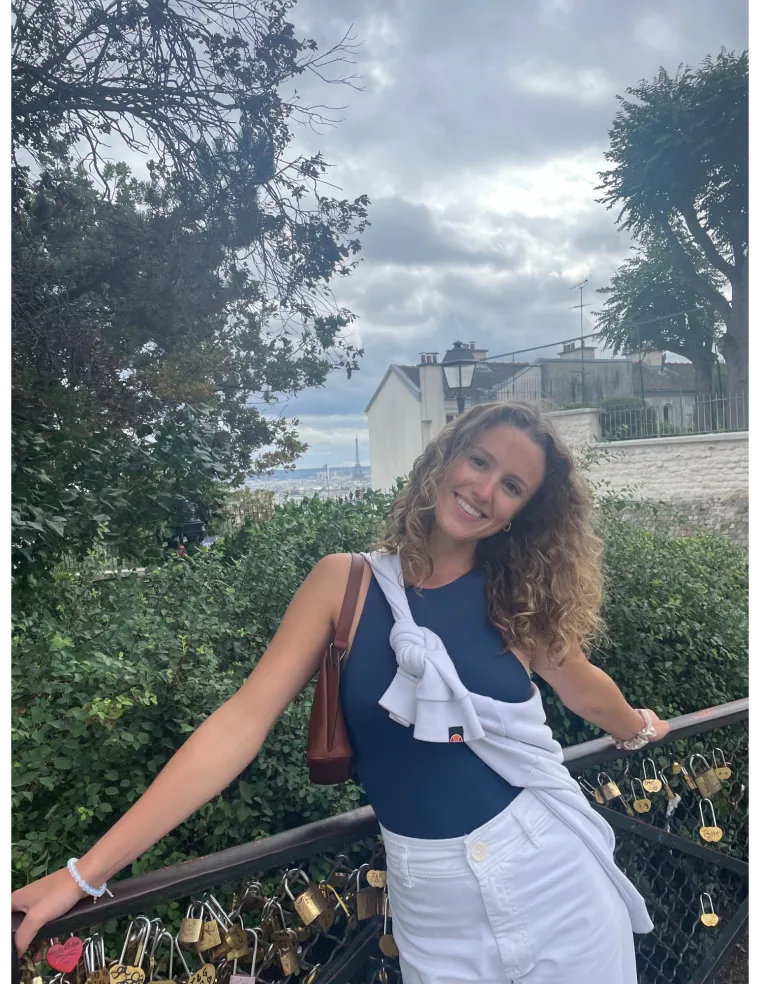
column 65, row 956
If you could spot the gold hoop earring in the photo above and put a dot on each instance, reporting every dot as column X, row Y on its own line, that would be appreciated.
column 507, row 528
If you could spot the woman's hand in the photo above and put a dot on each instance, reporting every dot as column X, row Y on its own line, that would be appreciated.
column 660, row 726
column 42, row 901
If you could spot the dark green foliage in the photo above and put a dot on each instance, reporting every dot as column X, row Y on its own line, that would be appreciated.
column 109, row 678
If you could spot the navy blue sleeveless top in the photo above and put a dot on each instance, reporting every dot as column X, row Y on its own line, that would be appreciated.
column 420, row 788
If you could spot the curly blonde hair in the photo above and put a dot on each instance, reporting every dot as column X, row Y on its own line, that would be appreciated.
column 544, row 578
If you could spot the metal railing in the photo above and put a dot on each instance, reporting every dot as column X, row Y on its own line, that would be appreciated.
column 661, row 852
column 681, row 415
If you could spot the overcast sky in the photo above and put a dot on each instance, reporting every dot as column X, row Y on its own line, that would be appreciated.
column 478, row 137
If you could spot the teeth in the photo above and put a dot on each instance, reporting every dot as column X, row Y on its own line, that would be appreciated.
column 468, row 508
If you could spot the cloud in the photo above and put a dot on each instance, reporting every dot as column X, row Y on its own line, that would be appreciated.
column 478, row 135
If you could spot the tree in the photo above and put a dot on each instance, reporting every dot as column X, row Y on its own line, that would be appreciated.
column 182, row 307
column 679, row 150
column 651, row 302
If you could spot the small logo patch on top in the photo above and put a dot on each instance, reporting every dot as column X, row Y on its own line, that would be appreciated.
column 456, row 734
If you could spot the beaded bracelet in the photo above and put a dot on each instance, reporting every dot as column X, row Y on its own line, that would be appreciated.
column 96, row 893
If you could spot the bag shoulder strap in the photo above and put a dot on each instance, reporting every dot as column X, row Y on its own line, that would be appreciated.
column 348, row 608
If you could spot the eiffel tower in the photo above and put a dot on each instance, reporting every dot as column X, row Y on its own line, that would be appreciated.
column 358, row 470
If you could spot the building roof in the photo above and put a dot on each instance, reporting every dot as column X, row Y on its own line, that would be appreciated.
column 412, row 383
column 674, row 377
column 487, row 374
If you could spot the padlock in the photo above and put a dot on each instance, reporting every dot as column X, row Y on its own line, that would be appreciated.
column 593, row 791
column 667, row 787
column 707, row 917
column 651, row 783
column 340, row 873
column 311, row 903
column 238, row 939
column 641, row 804
column 229, row 932
column 386, row 942
column 138, row 940
column 327, row 919
column 710, row 833
column 206, row 975
column 242, row 978
column 722, row 768
column 707, row 782
column 367, row 899
column 163, row 937
column 95, row 961
column 288, row 951
column 211, row 937
column 688, row 778
column 377, row 878
column 609, row 787
column 252, row 899
column 191, row 927
column 122, row 972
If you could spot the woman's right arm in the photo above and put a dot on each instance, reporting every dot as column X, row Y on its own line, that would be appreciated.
column 213, row 755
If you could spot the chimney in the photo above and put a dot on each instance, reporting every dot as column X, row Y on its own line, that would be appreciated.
column 428, row 358
column 572, row 350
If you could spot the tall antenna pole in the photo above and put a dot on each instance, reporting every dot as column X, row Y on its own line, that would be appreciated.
column 580, row 287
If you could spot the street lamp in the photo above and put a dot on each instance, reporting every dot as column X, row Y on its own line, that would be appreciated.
column 459, row 370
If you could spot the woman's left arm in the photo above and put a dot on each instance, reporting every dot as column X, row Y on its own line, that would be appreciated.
column 591, row 694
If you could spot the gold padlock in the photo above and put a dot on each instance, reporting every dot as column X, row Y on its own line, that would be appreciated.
column 252, row 899
column 650, row 782
column 95, row 961
column 163, row 936
column 641, row 804
column 247, row 978
column 667, row 787
column 311, row 903
column 707, row 917
column 593, row 791
column 709, row 832
column 191, row 927
column 707, row 781
column 609, row 787
column 687, row 777
column 368, row 899
column 206, row 975
column 722, row 768
column 377, row 878
column 288, row 951
column 386, row 942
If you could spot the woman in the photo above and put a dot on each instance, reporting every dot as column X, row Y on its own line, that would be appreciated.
column 498, row 869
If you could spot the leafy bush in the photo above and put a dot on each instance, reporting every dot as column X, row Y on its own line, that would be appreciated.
column 676, row 619
column 109, row 678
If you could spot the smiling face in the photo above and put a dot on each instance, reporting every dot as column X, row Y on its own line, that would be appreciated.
column 489, row 484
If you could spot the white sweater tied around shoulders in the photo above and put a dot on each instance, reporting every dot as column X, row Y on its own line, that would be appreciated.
column 512, row 738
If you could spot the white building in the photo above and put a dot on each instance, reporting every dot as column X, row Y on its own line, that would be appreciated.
column 413, row 403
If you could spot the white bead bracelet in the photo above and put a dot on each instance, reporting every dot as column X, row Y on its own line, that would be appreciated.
column 96, row 893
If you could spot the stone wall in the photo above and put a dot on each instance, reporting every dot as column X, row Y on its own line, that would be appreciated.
column 689, row 483
column 727, row 517
column 699, row 466
column 577, row 427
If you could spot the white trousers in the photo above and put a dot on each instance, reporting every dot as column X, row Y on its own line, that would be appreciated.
column 519, row 899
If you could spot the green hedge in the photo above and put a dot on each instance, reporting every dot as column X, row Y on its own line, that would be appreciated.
column 109, row 678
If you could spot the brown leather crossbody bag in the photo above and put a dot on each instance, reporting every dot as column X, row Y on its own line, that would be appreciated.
column 328, row 752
